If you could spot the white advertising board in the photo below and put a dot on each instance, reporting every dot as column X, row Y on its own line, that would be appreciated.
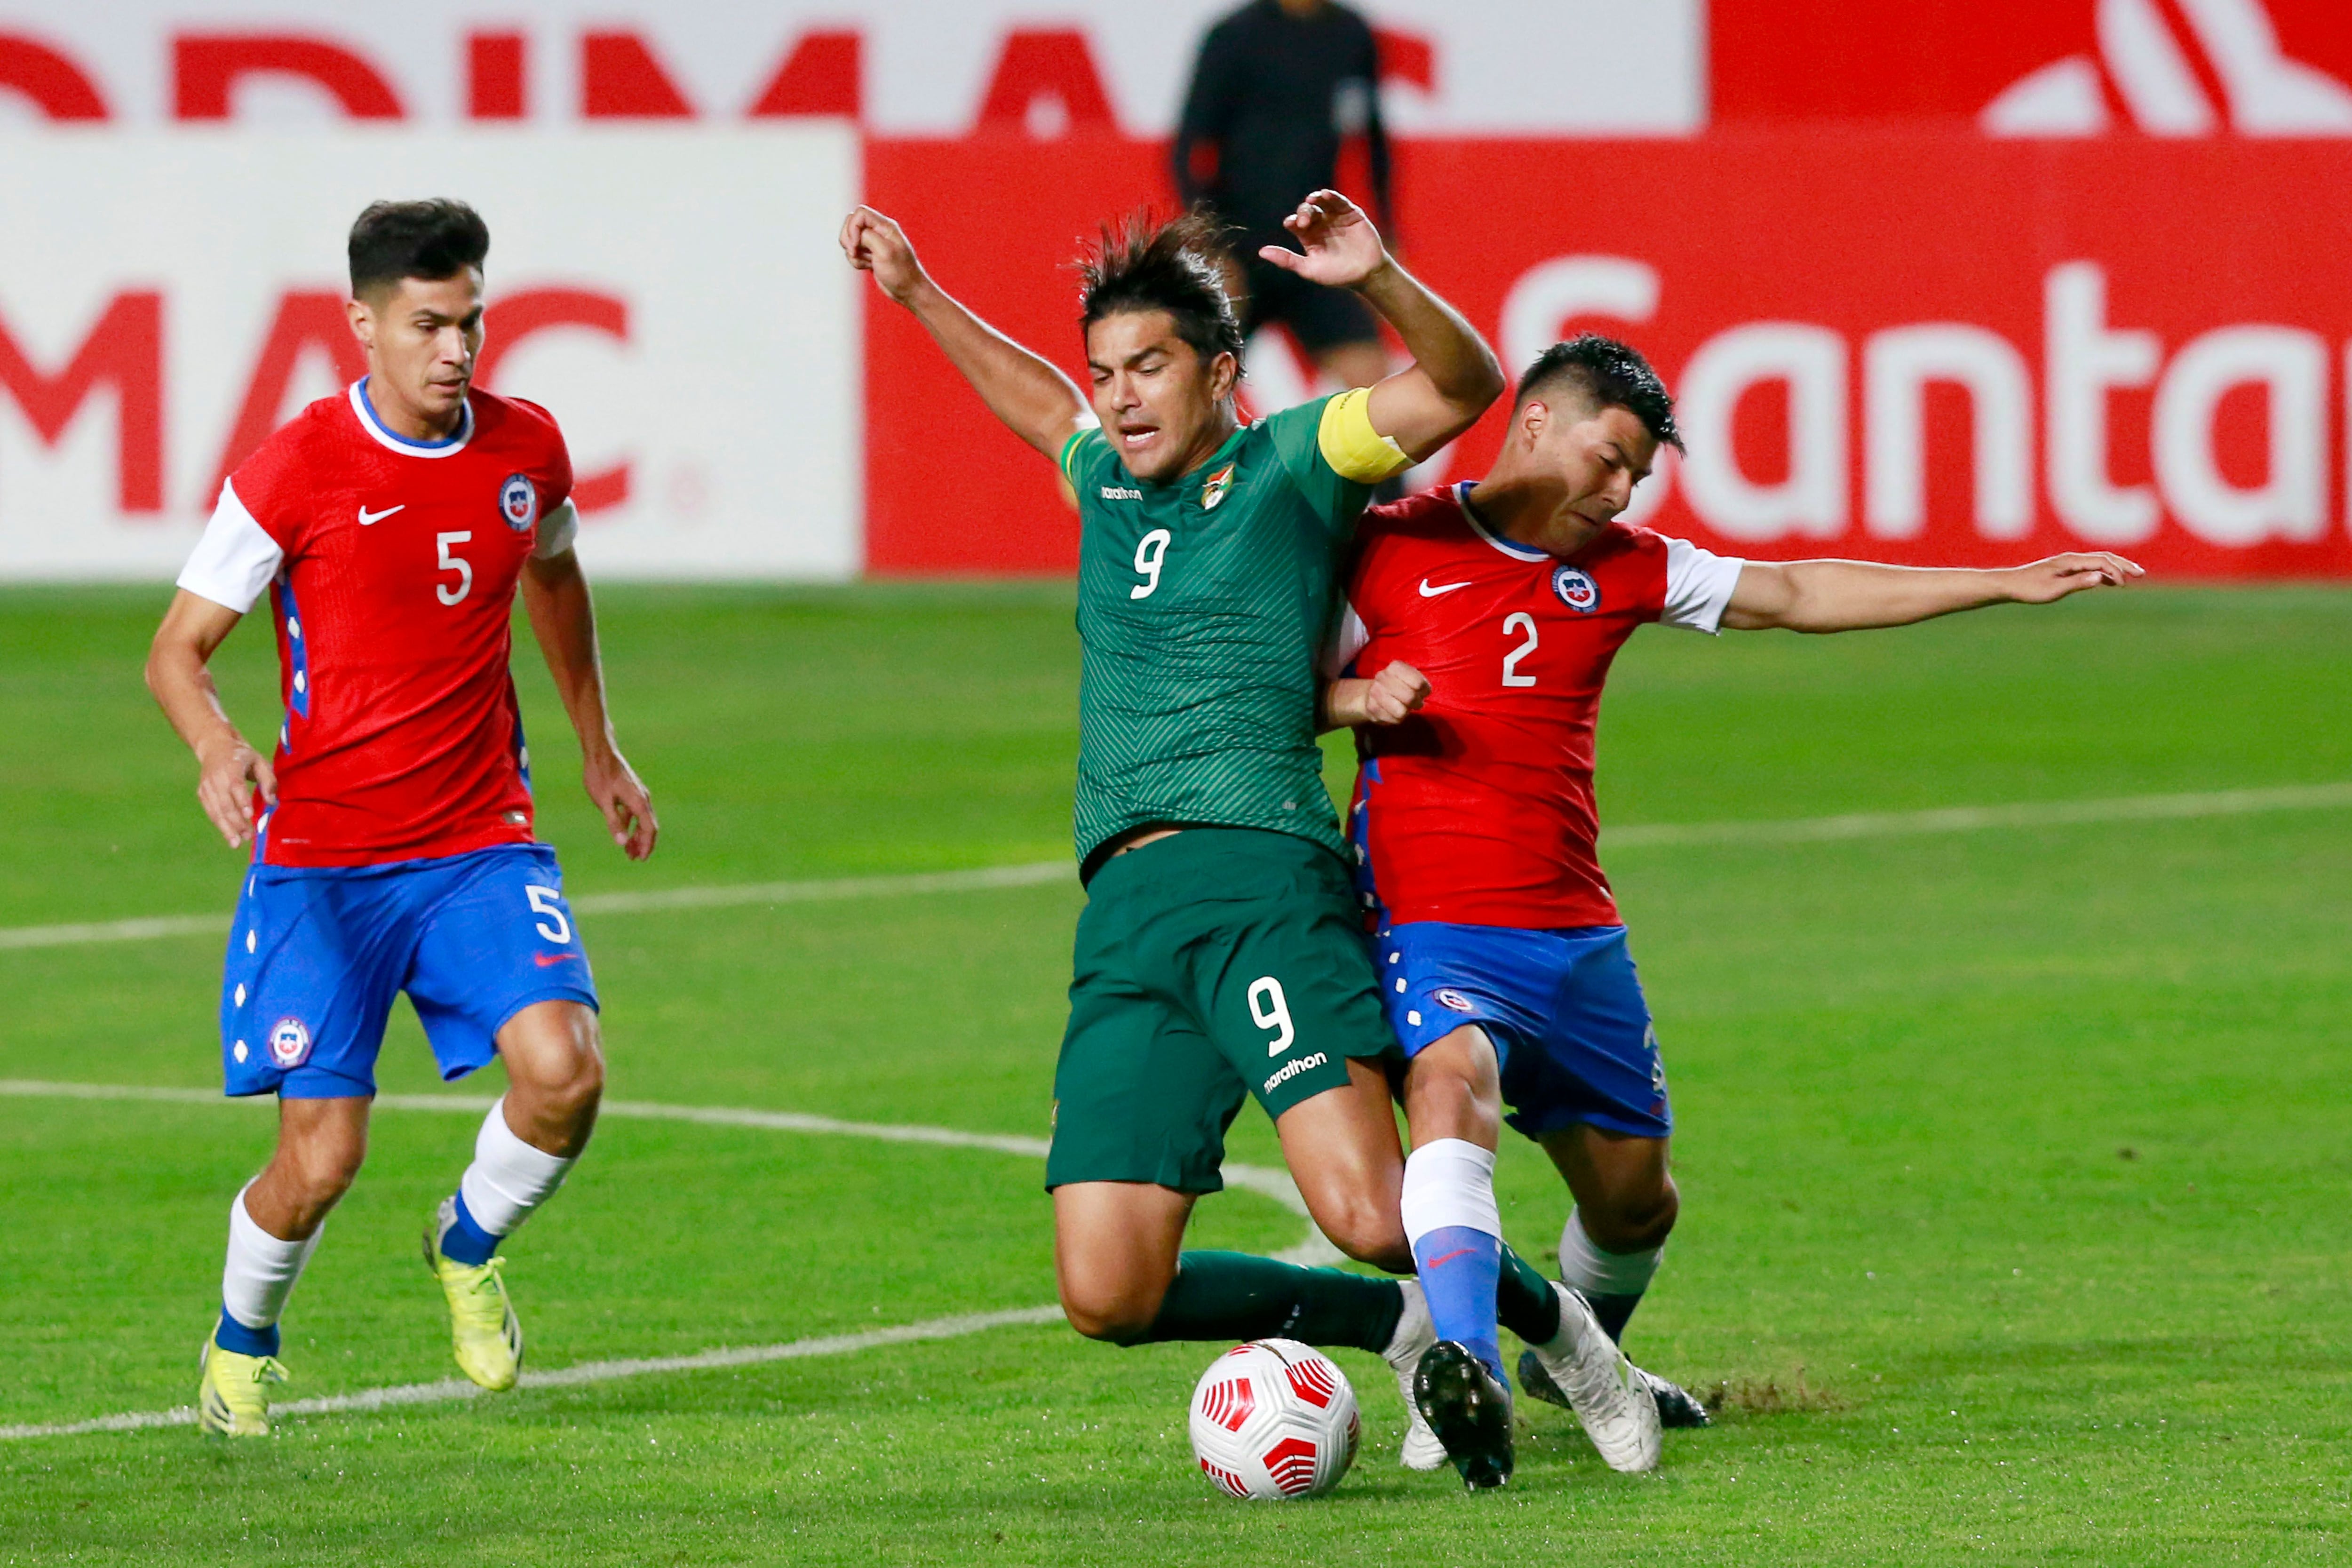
column 673, row 295
column 1497, row 67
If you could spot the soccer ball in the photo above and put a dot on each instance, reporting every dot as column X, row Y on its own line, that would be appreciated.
column 1275, row 1420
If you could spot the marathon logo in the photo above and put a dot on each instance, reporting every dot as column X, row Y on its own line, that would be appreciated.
column 1292, row 1070
column 1119, row 493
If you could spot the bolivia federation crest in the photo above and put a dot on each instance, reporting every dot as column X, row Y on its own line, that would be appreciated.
column 289, row 1042
column 518, row 501
column 1577, row 590
column 1212, row 493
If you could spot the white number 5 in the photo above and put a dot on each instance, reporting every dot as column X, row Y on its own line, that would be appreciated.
column 1268, row 1010
column 447, row 593
column 1511, row 675
column 1149, row 552
column 545, row 901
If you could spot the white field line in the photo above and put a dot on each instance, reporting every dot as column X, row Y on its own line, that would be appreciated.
column 1035, row 873
column 1262, row 1180
column 1266, row 1181
column 574, row 1376
column 1649, row 835
column 1977, row 818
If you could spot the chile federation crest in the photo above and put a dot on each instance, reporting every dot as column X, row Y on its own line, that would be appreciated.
column 518, row 501
column 1575, row 589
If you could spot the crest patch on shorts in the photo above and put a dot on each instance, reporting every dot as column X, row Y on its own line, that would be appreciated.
column 1454, row 999
column 289, row 1042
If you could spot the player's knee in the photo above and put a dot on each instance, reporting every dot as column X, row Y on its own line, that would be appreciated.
column 1634, row 1221
column 1116, row 1316
column 1369, row 1233
column 558, row 1071
column 317, row 1173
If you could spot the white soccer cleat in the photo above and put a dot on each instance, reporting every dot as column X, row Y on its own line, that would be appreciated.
column 1414, row 1335
column 1596, row 1380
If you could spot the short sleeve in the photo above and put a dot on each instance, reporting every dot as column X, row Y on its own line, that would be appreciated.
column 556, row 464
column 1297, row 443
column 557, row 532
column 1085, row 447
column 234, row 559
column 1699, row 585
column 1348, row 639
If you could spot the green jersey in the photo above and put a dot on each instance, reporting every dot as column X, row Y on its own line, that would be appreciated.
column 1203, row 604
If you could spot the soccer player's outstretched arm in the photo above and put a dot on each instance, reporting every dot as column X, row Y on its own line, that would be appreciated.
column 564, row 619
column 1850, row 595
column 1037, row 402
column 178, row 673
column 1454, row 376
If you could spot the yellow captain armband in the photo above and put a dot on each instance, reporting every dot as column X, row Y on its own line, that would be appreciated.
column 1350, row 443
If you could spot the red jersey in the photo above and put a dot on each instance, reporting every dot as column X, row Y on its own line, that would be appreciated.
column 392, row 566
column 1478, row 809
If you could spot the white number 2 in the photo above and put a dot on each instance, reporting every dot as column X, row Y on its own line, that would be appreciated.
column 447, row 593
column 1511, row 675
column 1149, row 552
column 546, row 901
column 1268, row 1010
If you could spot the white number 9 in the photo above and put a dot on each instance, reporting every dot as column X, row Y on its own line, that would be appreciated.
column 543, row 903
column 1149, row 552
column 1269, row 1010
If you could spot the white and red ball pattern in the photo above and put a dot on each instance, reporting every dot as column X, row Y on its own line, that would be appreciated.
column 1273, row 1419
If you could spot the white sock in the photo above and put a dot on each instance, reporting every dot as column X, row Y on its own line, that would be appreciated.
column 508, row 1178
column 261, row 1269
column 1449, row 1181
column 1585, row 1268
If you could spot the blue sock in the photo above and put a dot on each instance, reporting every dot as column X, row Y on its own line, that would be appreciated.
column 1459, row 1269
column 465, row 1242
column 236, row 1337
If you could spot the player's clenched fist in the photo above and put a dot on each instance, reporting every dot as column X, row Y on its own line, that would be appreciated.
column 1394, row 692
column 1388, row 698
column 2045, row 581
column 876, row 244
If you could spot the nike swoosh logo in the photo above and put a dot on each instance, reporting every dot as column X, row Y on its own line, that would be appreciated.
column 549, row 960
column 1429, row 593
column 367, row 517
column 1442, row 1262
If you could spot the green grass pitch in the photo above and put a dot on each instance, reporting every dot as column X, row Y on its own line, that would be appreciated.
column 2015, row 1162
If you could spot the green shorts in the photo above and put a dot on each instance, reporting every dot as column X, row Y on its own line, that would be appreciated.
column 1212, row 965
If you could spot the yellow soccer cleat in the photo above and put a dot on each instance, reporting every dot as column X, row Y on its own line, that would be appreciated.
column 484, row 1332
column 232, row 1397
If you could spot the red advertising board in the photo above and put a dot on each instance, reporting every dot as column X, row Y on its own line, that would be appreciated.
column 1898, row 344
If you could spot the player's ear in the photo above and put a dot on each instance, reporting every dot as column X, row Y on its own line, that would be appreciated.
column 1224, row 371
column 1534, row 419
column 362, row 320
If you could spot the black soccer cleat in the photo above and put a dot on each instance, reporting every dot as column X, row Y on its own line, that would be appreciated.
column 1469, row 1409
column 1677, row 1405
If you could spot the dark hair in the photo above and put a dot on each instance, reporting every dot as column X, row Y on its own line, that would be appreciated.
column 431, row 240
column 1609, row 374
column 1176, row 267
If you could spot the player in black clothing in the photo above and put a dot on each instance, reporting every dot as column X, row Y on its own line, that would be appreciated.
column 1279, row 85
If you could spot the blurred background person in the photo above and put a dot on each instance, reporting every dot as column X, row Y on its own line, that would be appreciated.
column 1279, row 88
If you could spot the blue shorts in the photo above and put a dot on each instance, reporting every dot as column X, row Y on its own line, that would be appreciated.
column 318, row 954
column 1564, row 1008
